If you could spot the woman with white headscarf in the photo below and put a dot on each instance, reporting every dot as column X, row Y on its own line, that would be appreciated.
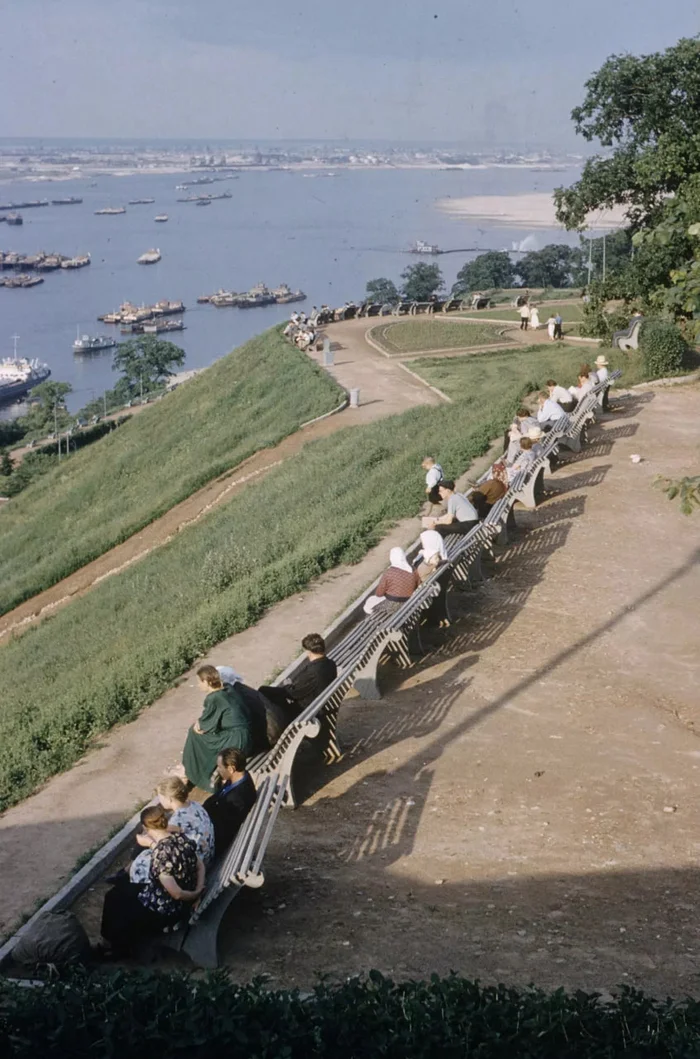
column 395, row 586
column 432, row 553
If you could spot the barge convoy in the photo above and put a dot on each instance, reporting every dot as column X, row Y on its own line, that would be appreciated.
column 257, row 297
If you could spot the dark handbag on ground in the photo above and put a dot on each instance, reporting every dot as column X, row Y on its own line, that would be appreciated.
column 56, row 938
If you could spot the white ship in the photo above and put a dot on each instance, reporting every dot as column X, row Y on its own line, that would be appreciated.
column 161, row 217
column 419, row 247
column 18, row 375
column 151, row 257
column 93, row 343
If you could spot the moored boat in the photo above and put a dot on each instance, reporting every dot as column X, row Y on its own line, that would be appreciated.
column 93, row 343
column 161, row 218
column 80, row 261
column 110, row 211
column 141, row 202
column 70, row 201
column 14, row 218
column 151, row 257
column 18, row 375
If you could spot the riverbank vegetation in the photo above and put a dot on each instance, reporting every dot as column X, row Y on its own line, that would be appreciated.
column 246, row 401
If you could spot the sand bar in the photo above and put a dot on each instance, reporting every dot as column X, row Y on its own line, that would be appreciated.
column 533, row 210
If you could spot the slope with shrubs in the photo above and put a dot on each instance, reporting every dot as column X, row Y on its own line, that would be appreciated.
column 246, row 401
column 113, row 651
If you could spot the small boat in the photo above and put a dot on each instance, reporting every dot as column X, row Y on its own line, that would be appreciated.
column 151, row 257
column 141, row 202
column 14, row 218
column 93, row 343
column 284, row 295
column 161, row 217
column 50, row 263
column 203, row 202
column 70, row 201
column 80, row 261
column 110, row 211
column 24, row 280
column 419, row 247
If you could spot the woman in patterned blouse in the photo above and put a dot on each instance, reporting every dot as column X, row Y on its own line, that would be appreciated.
column 132, row 911
column 188, row 816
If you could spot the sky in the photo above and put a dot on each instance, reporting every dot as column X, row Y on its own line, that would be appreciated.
column 477, row 72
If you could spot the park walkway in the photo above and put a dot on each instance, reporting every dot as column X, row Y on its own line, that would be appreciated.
column 384, row 390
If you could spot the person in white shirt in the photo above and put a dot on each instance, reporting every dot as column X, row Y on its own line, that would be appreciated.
column 551, row 325
column 560, row 395
column 549, row 411
column 601, row 368
column 524, row 316
column 585, row 385
column 433, row 473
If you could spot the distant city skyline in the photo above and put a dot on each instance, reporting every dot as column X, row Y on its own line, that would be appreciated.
column 487, row 75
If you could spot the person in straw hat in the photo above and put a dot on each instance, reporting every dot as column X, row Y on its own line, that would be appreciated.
column 601, row 365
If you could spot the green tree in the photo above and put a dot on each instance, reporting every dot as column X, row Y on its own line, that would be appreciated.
column 492, row 269
column 421, row 281
column 147, row 359
column 49, row 411
column 556, row 265
column 6, row 464
column 647, row 109
column 382, row 290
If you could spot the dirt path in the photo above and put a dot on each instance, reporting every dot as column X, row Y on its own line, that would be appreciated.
column 524, row 806
column 384, row 390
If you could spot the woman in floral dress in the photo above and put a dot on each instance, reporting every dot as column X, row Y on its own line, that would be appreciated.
column 188, row 817
column 132, row 911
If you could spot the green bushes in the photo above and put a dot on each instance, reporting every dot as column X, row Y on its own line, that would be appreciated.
column 99, row 497
column 664, row 349
column 140, row 1016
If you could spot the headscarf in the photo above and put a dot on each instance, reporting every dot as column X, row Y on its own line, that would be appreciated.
column 397, row 558
column 229, row 676
column 432, row 544
column 499, row 472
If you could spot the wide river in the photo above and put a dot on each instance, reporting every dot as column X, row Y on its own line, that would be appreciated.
column 325, row 235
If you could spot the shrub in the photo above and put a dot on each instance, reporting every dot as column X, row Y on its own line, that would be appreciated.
column 664, row 349
column 133, row 1015
column 599, row 323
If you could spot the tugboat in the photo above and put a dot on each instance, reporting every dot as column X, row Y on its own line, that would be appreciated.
column 151, row 257
column 18, row 375
column 161, row 218
column 93, row 343
column 419, row 247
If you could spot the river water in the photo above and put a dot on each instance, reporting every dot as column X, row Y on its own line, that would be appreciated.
column 325, row 235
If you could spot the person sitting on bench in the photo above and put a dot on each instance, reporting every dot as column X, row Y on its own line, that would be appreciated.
column 132, row 911
column 396, row 585
column 433, row 476
column 432, row 553
column 299, row 691
column 549, row 411
column 460, row 517
column 232, row 801
column 485, row 495
column 225, row 721
column 560, row 395
column 585, row 385
column 518, row 429
column 524, row 460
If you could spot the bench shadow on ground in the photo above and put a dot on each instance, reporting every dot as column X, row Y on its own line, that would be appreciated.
column 341, row 897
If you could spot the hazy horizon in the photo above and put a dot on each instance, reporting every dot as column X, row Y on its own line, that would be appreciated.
column 496, row 75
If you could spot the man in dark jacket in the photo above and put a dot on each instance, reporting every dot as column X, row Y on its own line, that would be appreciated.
column 233, row 800
column 316, row 674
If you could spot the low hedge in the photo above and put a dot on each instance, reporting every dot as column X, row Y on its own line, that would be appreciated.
column 133, row 1015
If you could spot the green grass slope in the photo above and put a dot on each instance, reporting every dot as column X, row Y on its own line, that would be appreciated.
column 113, row 651
column 246, row 401
column 413, row 336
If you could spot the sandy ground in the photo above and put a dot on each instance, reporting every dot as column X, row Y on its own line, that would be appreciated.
column 384, row 390
column 532, row 210
column 523, row 807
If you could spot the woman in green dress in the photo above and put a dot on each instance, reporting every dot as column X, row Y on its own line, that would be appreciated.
column 225, row 722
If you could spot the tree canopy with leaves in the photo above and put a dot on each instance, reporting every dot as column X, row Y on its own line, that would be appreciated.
column 382, row 290
column 147, row 359
column 646, row 109
column 555, row 265
column 421, row 281
column 489, row 270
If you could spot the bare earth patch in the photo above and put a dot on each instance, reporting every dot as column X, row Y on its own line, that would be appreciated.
column 523, row 807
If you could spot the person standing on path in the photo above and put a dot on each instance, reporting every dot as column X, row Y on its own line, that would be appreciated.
column 551, row 326
column 558, row 321
column 535, row 318
column 524, row 316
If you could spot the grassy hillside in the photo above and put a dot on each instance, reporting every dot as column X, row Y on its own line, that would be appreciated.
column 483, row 376
column 250, row 399
column 113, row 651
column 569, row 313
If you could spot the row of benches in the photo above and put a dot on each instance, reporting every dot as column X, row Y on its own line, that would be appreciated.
column 357, row 655
column 401, row 308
